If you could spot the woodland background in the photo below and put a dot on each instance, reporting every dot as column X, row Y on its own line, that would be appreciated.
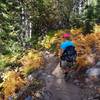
column 29, row 27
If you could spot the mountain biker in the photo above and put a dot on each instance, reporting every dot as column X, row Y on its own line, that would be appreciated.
column 68, row 53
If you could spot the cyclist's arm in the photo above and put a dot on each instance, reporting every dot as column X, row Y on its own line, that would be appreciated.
column 61, row 49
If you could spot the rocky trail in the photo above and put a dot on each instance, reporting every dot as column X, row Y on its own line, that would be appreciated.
column 56, row 88
column 54, row 85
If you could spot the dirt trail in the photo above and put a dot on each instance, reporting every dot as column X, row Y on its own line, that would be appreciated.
column 55, row 86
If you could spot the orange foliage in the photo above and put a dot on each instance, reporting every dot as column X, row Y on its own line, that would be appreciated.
column 12, row 82
column 75, row 32
column 86, row 46
column 31, row 61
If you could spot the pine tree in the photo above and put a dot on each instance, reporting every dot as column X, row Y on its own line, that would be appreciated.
column 97, row 12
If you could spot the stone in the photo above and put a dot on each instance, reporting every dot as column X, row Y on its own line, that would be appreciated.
column 28, row 98
column 98, row 64
column 37, row 94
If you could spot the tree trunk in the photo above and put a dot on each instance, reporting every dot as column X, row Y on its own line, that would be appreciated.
column 26, row 25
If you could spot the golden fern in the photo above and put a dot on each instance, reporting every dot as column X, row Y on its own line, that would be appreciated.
column 12, row 82
column 31, row 61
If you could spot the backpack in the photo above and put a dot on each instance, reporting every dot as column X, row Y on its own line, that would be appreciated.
column 69, row 54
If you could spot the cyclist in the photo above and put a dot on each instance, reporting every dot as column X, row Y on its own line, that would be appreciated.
column 68, row 53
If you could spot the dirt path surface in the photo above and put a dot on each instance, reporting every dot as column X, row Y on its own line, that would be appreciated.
column 55, row 86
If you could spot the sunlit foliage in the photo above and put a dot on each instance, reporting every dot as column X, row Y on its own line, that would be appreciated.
column 12, row 83
column 86, row 46
column 52, row 38
column 31, row 61
column 7, row 60
column 23, row 22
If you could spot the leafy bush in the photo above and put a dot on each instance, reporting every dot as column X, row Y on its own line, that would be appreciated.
column 51, row 38
column 52, row 41
column 6, row 60
column 12, row 83
column 87, row 47
column 97, row 28
column 32, row 60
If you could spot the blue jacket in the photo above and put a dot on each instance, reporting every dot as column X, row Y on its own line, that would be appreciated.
column 66, row 44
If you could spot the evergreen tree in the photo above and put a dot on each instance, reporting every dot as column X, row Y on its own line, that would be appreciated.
column 97, row 12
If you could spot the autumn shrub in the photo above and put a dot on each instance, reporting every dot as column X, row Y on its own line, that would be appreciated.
column 12, row 83
column 76, row 31
column 6, row 60
column 51, row 41
column 51, row 38
column 32, row 60
column 86, row 46
column 97, row 28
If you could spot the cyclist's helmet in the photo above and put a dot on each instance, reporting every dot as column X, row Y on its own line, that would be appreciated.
column 66, row 35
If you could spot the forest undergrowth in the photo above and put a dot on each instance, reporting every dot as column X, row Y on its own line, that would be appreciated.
column 14, row 78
